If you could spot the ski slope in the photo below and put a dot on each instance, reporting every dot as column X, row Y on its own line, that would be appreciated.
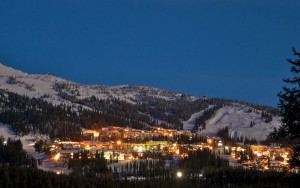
column 238, row 119
column 190, row 123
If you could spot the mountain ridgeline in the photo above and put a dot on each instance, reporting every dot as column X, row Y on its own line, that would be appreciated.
column 59, row 108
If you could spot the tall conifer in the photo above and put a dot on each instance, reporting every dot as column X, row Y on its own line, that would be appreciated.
column 289, row 105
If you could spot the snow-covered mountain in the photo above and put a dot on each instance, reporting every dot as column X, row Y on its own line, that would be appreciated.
column 45, row 86
column 57, row 91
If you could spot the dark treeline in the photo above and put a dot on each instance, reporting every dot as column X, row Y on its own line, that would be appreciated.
column 143, row 168
column 197, row 161
column 12, row 154
column 83, row 164
column 29, row 177
column 26, row 114
column 238, row 177
column 200, row 169
column 95, row 165
column 206, row 169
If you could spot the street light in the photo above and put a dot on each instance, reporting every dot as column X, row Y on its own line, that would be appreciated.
column 179, row 174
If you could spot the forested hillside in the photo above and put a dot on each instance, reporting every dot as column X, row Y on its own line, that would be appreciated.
column 50, row 105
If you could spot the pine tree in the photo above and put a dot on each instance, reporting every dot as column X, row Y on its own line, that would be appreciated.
column 289, row 105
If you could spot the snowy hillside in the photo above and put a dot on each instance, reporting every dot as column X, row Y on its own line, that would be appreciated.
column 145, row 105
column 238, row 119
column 26, row 140
column 45, row 86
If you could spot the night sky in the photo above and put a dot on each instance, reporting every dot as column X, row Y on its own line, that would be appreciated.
column 235, row 49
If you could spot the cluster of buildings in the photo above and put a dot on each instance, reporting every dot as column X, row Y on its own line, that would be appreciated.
column 123, row 145
column 119, row 143
column 112, row 132
column 268, row 157
column 262, row 157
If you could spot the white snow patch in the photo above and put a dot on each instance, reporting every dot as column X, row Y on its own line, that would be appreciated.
column 28, row 146
column 237, row 118
column 6, row 132
column 190, row 123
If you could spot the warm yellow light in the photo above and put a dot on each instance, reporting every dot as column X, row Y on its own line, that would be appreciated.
column 118, row 142
column 56, row 157
column 96, row 134
column 140, row 149
column 179, row 174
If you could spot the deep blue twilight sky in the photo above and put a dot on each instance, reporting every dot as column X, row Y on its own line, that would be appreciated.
column 234, row 49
